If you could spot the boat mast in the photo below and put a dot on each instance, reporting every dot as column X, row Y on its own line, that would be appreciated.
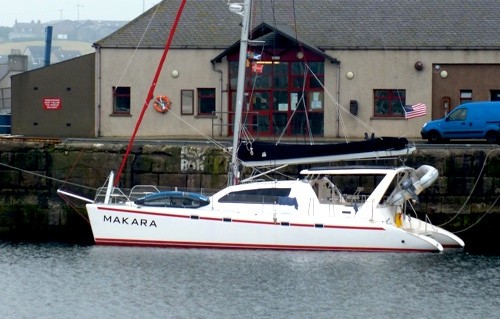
column 242, row 9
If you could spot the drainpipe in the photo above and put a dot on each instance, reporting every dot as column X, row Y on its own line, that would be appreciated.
column 220, row 91
column 98, row 97
column 338, row 99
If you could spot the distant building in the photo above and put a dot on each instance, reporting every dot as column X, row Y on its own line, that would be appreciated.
column 36, row 55
column 63, row 29
column 27, row 31
column 11, row 64
column 63, row 55
column 92, row 30
column 86, row 31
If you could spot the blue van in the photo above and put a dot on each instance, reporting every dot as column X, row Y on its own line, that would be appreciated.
column 479, row 120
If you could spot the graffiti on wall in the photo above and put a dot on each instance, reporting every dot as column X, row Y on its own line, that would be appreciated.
column 192, row 159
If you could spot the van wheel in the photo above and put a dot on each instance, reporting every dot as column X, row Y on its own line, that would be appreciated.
column 434, row 137
column 493, row 137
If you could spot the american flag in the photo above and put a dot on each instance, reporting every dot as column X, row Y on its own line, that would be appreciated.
column 416, row 110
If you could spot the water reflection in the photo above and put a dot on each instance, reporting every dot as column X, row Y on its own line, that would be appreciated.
column 63, row 281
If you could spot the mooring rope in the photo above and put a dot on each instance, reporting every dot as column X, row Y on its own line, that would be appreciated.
column 471, row 192
column 477, row 221
column 64, row 182
column 46, row 177
column 75, row 207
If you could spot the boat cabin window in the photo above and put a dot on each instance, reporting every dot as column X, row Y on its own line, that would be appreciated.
column 353, row 188
column 326, row 191
column 256, row 196
column 354, row 183
column 173, row 199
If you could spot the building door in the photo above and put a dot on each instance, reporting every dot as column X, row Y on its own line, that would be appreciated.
column 282, row 97
column 258, row 117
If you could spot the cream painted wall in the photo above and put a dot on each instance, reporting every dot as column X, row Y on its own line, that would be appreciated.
column 120, row 67
column 388, row 69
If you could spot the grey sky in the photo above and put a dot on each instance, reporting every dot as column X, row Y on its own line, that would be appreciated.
column 50, row 10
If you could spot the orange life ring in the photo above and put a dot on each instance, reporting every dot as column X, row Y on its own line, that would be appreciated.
column 162, row 104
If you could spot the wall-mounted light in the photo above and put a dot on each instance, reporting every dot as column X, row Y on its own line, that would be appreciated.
column 175, row 73
column 300, row 55
column 419, row 66
column 443, row 74
column 349, row 75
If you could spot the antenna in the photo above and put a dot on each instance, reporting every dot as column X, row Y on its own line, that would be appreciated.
column 78, row 6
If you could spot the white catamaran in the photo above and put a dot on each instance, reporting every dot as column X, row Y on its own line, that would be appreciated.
column 343, row 208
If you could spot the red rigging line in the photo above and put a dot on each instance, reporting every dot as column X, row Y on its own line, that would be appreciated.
column 150, row 95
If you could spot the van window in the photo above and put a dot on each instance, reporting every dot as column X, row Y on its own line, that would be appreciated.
column 458, row 115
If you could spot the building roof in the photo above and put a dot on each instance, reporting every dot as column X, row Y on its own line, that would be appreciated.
column 326, row 24
column 38, row 51
column 268, row 36
column 63, row 55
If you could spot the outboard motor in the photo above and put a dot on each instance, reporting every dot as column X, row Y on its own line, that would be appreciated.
column 413, row 185
column 408, row 186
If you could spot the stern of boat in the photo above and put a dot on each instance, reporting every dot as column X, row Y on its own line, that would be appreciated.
column 446, row 238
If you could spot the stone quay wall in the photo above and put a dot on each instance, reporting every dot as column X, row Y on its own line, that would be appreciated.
column 32, row 171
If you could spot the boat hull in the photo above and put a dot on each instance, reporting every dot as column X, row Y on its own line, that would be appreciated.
column 446, row 238
column 197, row 228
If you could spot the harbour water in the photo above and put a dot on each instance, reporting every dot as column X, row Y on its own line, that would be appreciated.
column 54, row 280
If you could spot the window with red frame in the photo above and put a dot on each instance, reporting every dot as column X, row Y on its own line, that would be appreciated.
column 389, row 102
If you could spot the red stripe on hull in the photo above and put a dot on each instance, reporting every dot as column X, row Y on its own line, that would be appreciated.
column 175, row 244
column 234, row 220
